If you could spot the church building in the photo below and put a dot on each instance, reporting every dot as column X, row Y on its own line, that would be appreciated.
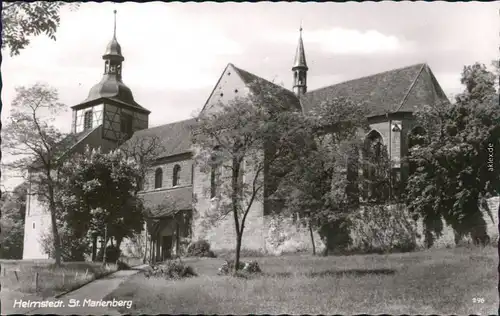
column 175, row 192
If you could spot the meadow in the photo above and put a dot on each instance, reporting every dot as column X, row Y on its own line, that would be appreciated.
column 438, row 281
column 40, row 279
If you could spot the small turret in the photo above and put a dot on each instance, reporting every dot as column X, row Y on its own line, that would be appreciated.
column 300, row 69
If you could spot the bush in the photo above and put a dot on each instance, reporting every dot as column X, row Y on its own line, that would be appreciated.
column 122, row 265
column 170, row 270
column 382, row 229
column 200, row 248
column 112, row 254
column 251, row 267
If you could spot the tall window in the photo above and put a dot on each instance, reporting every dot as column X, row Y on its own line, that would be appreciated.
column 87, row 120
column 126, row 124
column 241, row 176
column 213, row 181
column 415, row 138
column 176, row 176
column 158, row 178
column 215, row 166
column 376, row 168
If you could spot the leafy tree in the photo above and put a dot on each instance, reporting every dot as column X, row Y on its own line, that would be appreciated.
column 144, row 150
column 21, row 20
column 456, row 163
column 38, row 145
column 98, row 196
column 258, row 135
column 322, row 187
column 13, row 206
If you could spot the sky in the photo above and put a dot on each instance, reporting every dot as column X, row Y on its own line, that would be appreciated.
column 175, row 52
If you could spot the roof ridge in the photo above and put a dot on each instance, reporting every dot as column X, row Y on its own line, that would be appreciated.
column 368, row 76
column 163, row 125
column 238, row 69
column 411, row 87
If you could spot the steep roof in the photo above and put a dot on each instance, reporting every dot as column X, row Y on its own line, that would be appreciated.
column 175, row 138
column 288, row 97
column 381, row 93
column 167, row 202
column 67, row 144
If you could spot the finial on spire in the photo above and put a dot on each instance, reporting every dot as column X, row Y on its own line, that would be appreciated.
column 300, row 30
column 114, row 30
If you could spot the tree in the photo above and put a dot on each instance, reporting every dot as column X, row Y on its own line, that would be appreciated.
column 21, row 20
column 324, row 187
column 98, row 196
column 260, row 133
column 13, row 206
column 30, row 136
column 144, row 150
column 456, row 162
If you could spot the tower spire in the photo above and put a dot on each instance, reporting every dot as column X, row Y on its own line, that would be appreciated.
column 300, row 68
column 114, row 29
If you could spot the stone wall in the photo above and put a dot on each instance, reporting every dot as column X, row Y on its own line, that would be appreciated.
column 222, row 235
column 168, row 173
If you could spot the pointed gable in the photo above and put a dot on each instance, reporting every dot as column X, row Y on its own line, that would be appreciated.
column 236, row 82
column 229, row 86
column 398, row 90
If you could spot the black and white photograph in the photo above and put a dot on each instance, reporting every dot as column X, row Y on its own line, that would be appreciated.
column 241, row 158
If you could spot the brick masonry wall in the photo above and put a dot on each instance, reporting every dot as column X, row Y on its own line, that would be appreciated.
column 168, row 173
column 222, row 236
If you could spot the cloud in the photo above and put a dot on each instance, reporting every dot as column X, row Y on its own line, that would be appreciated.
column 343, row 41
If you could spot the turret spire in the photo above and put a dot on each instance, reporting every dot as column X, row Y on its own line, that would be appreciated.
column 114, row 29
column 300, row 67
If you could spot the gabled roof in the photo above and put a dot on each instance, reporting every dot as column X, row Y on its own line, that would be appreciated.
column 288, row 97
column 68, row 143
column 175, row 138
column 382, row 93
column 164, row 203
column 252, row 81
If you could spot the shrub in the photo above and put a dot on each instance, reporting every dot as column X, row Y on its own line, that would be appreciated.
column 251, row 267
column 200, row 248
column 122, row 265
column 112, row 254
column 382, row 229
column 171, row 269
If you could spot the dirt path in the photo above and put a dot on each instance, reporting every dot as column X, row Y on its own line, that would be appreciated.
column 87, row 300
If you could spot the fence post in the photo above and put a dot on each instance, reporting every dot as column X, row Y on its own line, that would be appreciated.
column 17, row 277
column 36, row 281
column 63, row 278
column 76, row 275
column 86, row 271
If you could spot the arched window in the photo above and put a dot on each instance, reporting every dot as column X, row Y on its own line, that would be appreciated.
column 158, row 178
column 214, row 172
column 416, row 137
column 374, row 145
column 376, row 170
column 241, row 176
column 33, row 225
column 176, row 175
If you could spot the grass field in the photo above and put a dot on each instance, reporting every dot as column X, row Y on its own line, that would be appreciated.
column 435, row 281
column 20, row 276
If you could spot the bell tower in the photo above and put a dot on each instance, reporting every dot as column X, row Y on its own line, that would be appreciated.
column 110, row 104
column 113, row 57
column 300, row 69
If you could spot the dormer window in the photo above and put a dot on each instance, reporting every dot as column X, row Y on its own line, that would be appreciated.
column 87, row 120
